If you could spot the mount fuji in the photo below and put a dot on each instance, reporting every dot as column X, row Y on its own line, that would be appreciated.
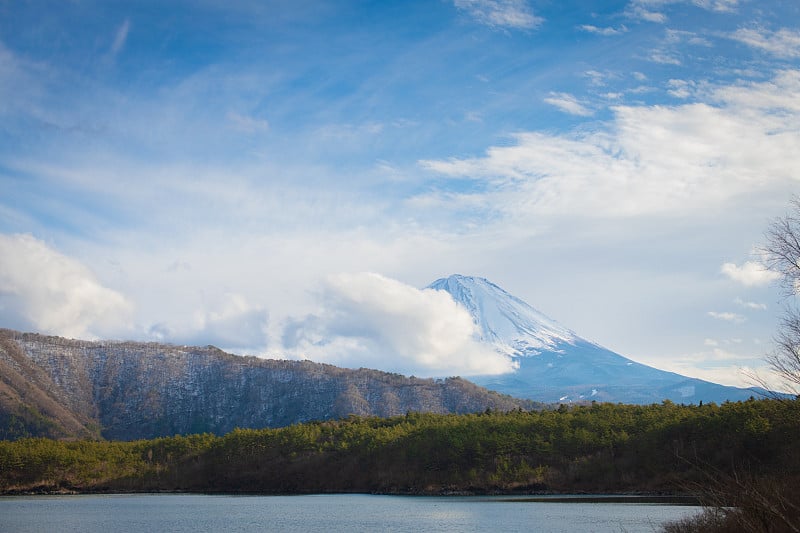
column 554, row 364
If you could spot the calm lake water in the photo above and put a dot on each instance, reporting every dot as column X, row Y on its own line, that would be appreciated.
column 324, row 513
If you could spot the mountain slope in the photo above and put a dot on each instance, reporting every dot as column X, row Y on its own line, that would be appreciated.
column 56, row 387
column 555, row 364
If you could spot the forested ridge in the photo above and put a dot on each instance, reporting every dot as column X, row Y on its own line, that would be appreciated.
column 62, row 388
column 592, row 448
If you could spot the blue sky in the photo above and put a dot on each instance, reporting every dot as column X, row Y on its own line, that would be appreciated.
column 236, row 173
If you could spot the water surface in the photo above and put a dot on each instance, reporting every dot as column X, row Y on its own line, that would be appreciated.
column 326, row 513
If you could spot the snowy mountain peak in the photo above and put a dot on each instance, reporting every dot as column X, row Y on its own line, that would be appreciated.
column 513, row 326
column 565, row 367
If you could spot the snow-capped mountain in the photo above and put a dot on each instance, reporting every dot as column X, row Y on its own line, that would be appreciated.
column 511, row 325
column 555, row 364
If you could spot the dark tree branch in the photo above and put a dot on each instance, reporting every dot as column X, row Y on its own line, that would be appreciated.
column 781, row 254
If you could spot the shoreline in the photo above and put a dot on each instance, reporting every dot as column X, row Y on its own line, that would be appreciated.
column 521, row 497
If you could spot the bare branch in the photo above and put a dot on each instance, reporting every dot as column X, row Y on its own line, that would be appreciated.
column 781, row 253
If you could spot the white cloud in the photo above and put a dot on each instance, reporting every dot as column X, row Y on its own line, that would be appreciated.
column 670, row 49
column 597, row 78
column 664, row 58
column 750, row 274
column 718, row 354
column 672, row 36
column 720, row 365
column 650, row 16
column 638, row 11
column 723, row 6
column 230, row 323
column 681, row 88
column 43, row 290
column 647, row 9
column 501, row 13
column 783, row 43
column 751, row 305
column 372, row 321
column 772, row 101
column 568, row 103
column 607, row 31
column 727, row 316
column 648, row 160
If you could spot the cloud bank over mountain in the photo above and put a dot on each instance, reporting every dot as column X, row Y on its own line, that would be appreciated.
column 368, row 320
column 45, row 291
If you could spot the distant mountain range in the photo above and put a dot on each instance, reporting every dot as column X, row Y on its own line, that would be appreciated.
column 54, row 387
column 557, row 365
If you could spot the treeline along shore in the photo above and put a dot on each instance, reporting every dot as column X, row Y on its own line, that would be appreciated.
column 598, row 448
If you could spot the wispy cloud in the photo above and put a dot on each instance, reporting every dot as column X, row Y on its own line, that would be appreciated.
column 644, row 10
column 727, row 316
column 515, row 14
column 652, row 10
column 120, row 37
column 569, row 104
column 650, row 159
column 681, row 88
column 784, row 43
column 751, row 305
column 673, row 36
column 246, row 123
column 664, row 57
column 597, row 78
column 722, row 6
column 720, row 365
column 670, row 50
column 607, row 31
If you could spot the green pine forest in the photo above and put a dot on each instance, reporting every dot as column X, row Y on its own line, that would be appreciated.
column 597, row 448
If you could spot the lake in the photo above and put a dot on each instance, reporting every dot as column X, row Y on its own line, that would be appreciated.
column 327, row 513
